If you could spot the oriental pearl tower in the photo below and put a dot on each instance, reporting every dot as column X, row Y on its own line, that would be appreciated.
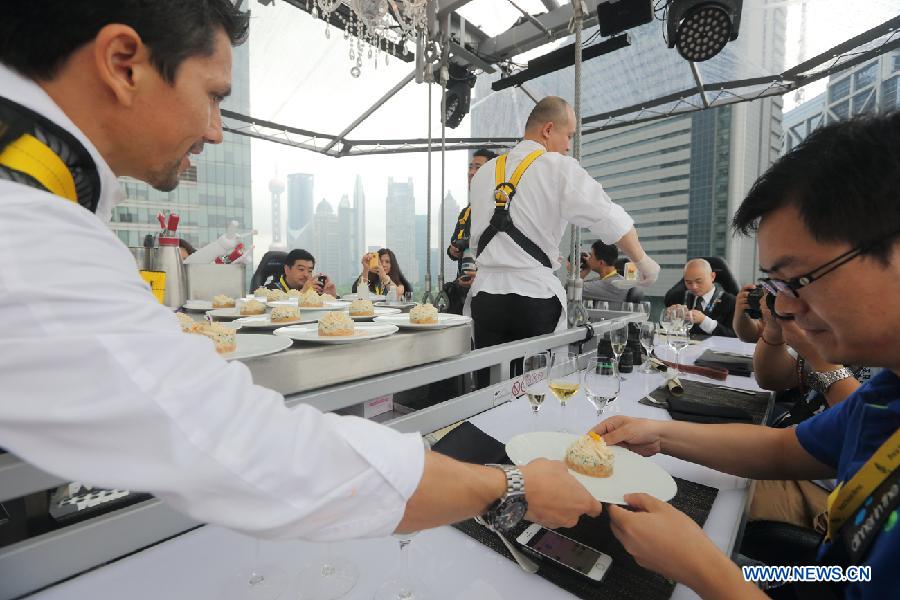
column 276, row 187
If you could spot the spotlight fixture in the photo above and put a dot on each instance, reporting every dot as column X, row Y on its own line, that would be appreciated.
column 459, row 94
column 699, row 29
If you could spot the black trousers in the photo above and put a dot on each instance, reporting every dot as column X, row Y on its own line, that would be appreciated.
column 502, row 318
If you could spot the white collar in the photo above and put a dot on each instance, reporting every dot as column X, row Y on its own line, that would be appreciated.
column 708, row 296
column 30, row 95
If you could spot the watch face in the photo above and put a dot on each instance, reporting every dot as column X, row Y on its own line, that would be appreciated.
column 511, row 513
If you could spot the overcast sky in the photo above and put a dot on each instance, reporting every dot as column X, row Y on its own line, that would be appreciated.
column 301, row 78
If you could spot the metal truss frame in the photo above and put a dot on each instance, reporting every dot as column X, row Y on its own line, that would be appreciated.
column 531, row 33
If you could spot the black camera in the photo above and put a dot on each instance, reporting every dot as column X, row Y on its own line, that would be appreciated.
column 461, row 244
column 584, row 264
column 753, row 297
column 322, row 279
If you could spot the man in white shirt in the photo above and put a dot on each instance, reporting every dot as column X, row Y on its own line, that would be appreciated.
column 517, row 293
column 98, row 382
column 711, row 308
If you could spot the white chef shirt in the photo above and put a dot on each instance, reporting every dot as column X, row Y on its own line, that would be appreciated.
column 552, row 193
column 100, row 385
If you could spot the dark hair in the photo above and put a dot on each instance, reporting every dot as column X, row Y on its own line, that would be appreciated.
column 38, row 36
column 608, row 253
column 298, row 254
column 183, row 243
column 396, row 274
column 843, row 180
column 485, row 153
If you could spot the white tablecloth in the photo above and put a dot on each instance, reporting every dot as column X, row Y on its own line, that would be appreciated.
column 206, row 564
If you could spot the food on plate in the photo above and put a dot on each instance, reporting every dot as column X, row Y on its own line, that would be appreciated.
column 273, row 295
column 589, row 455
column 222, row 301
column 261, row 292
column 188, row 325
column 362, row 308
column 310, row 298
column 285, row 313
column 328, row 298
column 225, row 338
column 336, row 323
column 423, row 314
column 292, row 293
column 252, row 307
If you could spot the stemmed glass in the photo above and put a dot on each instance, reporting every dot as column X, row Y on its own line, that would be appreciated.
column 628, row 306
column 648, row 333
column 601, row 384
column 601, row 305
column 263, row 582
column 328, row 578
column 406, row 586
column 534, row 379
column 564, row 380
column 681, row 339
column 618, row 339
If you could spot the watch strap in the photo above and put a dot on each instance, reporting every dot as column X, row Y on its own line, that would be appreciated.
column 821, row 381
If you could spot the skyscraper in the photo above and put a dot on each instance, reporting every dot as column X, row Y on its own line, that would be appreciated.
column 359, row 213
column 348, row 253
column 400, row 225
column 451, row 211
column 680, row 178
column 276, row 188
column 421, row 250
column 299, row 209
column 212, row 192
column 326, row 241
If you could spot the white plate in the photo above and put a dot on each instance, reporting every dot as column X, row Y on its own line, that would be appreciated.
column 631, row 472
column 379, row 312
column 310, row 333
column 250, row 345
column 197, row 305
column 225, row 314
column 624, row 284
column 265, row 322
column 444, row 320
column 400, row 305
column 372, row 297
column 338, row 305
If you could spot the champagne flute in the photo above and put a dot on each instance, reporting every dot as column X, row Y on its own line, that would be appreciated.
column 263, row 582
column 679, row 318
column 534, row 379
column 564, row 381
column 601, row 384
column 628, row 306
column 618, row 339
column 648, row 333
column 405, row 586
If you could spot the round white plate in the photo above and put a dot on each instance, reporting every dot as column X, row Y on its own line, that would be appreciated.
column 624, row 284
column 631, row 472
column 372, row 297
column 265, row 322
column 225, row 314
column 197, row 305
column 310, row 333
column 251, row 345
column 379, row 312
column 338, row 305
column 400, row 305
column 444, row 320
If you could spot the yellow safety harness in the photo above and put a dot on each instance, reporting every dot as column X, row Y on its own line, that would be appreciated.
column 501, row 221
column 33, row 157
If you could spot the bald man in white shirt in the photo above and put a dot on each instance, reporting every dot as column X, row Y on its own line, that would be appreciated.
column 517, row 293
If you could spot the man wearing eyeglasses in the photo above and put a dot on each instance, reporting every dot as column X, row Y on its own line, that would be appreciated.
column 827, row 219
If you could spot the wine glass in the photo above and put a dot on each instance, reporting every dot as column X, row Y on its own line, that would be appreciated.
column 328, row 578
column 534, row 379
column 645, row 308
column 262, row 582
column 405, row 585
column 680, row 340
column 628, row 306
column 618, row 339
column 564, row 380
column 601, row 305
column 648, row 333
column 601, row 383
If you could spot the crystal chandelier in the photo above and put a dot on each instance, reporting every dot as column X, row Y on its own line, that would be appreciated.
column 382, row 25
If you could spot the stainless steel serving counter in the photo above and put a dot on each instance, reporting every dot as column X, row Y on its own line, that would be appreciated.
column 305, row 367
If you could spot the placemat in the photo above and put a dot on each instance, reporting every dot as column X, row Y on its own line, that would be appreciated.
column 755, row 405
column 736, row 364
column 625, row 580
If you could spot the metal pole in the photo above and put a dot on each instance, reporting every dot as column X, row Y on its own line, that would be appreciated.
column 427, row 298
column 699, row 82
column 576, row 313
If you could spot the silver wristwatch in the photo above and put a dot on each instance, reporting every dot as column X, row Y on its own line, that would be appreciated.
column 822, row 381
column 509, row 510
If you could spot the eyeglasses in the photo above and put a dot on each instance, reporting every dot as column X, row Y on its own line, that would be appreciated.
column 791, row 286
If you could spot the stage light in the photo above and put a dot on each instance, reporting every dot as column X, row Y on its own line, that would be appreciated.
column 459, row 94
column 699, row 29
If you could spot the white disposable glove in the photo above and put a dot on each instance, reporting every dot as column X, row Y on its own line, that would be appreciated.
column 648, row 271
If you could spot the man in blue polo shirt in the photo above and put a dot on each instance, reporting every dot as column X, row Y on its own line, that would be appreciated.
column 827, row 218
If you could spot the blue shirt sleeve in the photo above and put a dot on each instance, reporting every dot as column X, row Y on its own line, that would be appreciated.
column 823, row 435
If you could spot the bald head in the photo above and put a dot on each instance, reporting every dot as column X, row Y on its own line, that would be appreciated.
column 551, row 124
column 698, row 276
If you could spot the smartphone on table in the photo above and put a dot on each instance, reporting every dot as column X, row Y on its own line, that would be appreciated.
column 565, row 551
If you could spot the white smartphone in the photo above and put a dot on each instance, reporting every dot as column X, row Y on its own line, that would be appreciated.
column 566, row 551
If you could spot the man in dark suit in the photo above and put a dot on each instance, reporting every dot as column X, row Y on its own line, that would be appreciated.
column 711, row 308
